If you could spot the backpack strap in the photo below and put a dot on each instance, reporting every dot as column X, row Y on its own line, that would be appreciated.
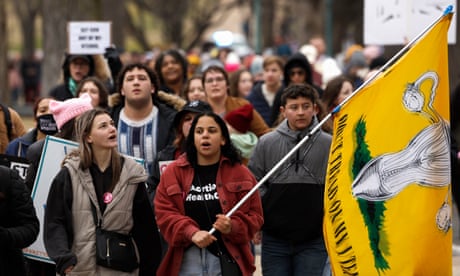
column 8, row 122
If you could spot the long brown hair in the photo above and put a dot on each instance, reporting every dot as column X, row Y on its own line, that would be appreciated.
column 103, row 92
column 234, row 79
column 83, row 126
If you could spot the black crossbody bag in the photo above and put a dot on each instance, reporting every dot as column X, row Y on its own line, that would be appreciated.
column 114, row 250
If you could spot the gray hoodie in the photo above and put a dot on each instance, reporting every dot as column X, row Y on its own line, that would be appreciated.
column 293, row 197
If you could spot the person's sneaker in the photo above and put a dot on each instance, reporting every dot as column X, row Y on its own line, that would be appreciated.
column 455, row 250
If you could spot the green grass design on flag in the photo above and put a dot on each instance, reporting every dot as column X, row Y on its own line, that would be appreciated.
column 372, row 212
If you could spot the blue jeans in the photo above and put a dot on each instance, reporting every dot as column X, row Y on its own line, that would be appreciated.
column 199, row 262
column 284, row 258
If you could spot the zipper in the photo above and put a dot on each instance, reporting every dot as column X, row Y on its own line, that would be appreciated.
column 108, row 251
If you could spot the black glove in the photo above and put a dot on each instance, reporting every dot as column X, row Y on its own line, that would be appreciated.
column 113, row 59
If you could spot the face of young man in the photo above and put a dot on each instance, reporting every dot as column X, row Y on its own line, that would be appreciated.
column 137, row 88
column 299, row 112
column 272, row 75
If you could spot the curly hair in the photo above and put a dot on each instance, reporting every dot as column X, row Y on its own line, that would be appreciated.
column 176, row 55
column 140, row 66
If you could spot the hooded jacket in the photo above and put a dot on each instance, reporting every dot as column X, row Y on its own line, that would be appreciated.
column 19, row 146
column 292, row 198
column 297, row 60
column 97, row 67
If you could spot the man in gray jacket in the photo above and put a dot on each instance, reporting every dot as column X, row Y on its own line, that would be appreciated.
column 292, row 241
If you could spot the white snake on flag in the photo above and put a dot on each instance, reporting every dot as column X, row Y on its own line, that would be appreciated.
column 425, row 160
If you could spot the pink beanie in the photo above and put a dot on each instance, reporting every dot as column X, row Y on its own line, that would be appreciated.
column 69, row 109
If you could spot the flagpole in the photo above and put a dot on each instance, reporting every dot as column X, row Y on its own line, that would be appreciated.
column 330, row 114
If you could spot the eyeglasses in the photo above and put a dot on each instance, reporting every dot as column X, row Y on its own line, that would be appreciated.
column 199, row 89
column 297, row 72
column 217, row 79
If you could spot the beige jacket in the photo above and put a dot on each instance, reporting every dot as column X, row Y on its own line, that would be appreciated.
column 117, row 217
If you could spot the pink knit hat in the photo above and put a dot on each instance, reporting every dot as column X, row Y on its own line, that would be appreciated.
column 69, row 109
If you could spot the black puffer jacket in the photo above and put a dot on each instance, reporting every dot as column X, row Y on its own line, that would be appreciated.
column 19, row 224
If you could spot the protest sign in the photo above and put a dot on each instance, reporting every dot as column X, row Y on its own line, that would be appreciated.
column 88, row 37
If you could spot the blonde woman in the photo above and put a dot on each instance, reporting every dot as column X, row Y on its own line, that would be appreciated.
column 98, row 175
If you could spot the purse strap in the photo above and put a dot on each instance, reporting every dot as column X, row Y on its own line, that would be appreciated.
column 93, row 210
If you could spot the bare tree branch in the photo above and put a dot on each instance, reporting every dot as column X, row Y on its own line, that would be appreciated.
column 27, row 12
column 136, row 31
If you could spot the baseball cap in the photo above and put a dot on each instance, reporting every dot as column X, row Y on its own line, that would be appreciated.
column 194, row 107
column 83, row 57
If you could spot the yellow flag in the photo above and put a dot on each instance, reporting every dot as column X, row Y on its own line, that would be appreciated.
column 387, row 199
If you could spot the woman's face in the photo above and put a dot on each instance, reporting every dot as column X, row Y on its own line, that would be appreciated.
column 187, row 123
column 215, row 86
column 208, row 140
column 196, row 91
column 103, row 134
column 171, row 70
column 43, row 107
column 79, row 69
column 245, row 84
column 93, row 91
column 345, row 91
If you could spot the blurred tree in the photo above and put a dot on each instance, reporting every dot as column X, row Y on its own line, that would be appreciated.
column 184, row 22
column 348, row 23
column 205, row 14
column 267, row 14
column 27, row 12
column 56, row 15
column 115, row 11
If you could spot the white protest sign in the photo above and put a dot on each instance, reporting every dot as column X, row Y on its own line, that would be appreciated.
column 54, row 151
column 88, row 37
column 398, row 22
column 163, row 165
column 16, row 163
